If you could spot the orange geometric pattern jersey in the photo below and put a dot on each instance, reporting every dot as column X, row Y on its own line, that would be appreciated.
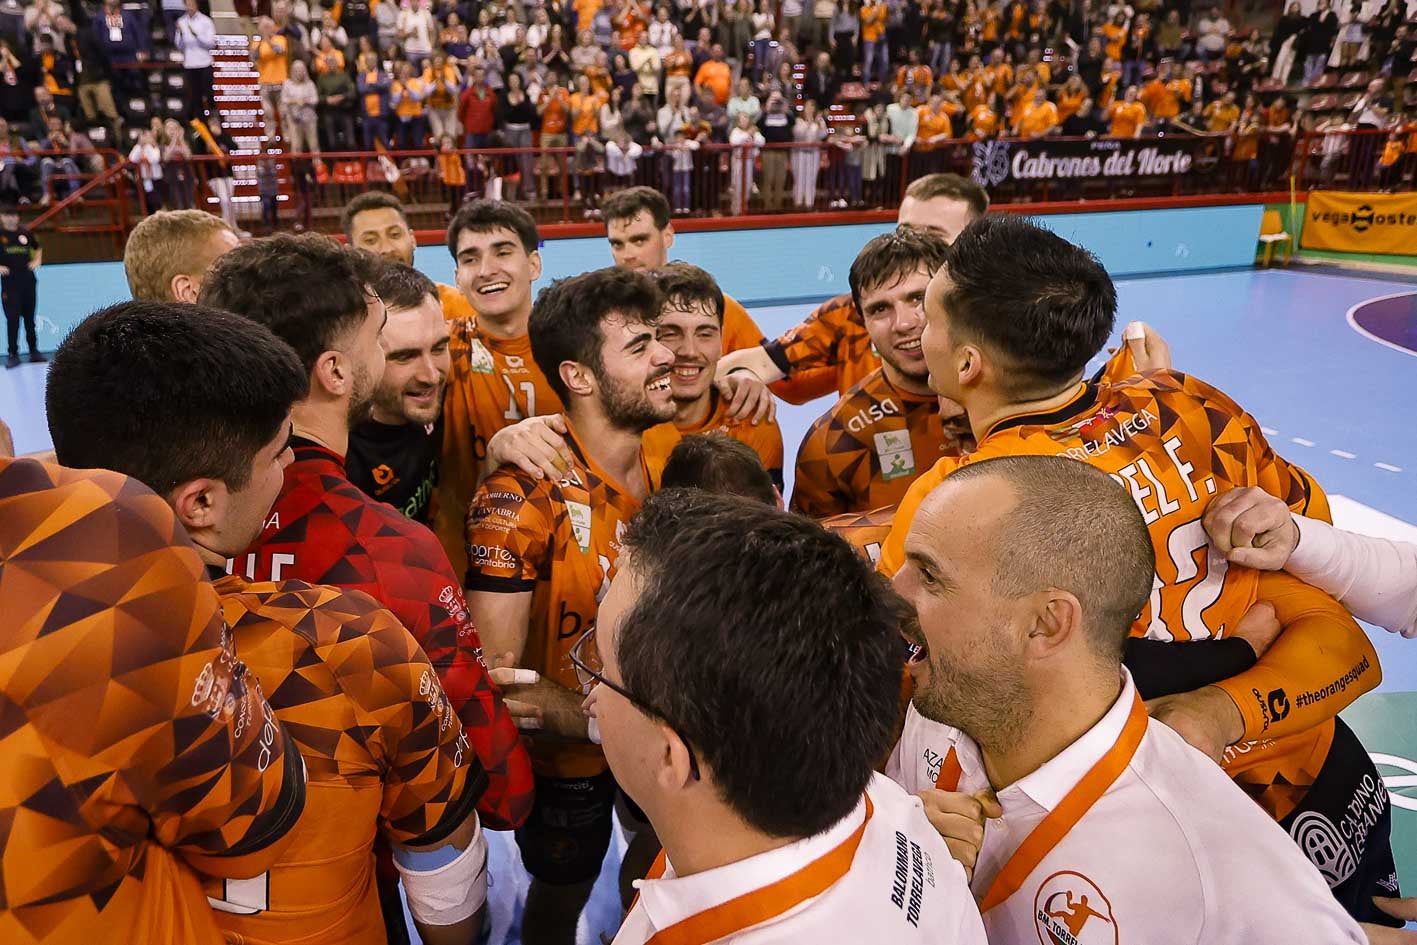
column 384, row 752
column 831, row 343
column 137, row 745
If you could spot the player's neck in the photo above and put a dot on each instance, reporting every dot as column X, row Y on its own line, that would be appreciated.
column 988, row 408
column 614, row 449
column 326, row 424
column 692, row 414
column 513, row 325
column 901, row 382
column 1063, row 712
column 711, row 836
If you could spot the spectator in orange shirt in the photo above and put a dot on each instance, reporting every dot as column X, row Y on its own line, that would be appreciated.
column 272, row 55
column 914, row 77
column 1070, row 97
column 717, row 75
column 986, row 118
column 554, row 106
column 1389, row 165
column 1163, row 95
column 406, row 95
column 1037, row 118
column 935, row 126
column 585, row 106
column 1127, row 116
column 876, row 57
column 1114, row 36
column 1111, row 77
column 1221, row 116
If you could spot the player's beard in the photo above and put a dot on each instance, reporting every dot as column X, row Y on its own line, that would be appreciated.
column 628, row 406
column 361, row 398
column 390, row 403
column 988, row 701
column 919, row 376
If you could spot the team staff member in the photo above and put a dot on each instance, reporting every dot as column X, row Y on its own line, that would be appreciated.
column 833, row 339
column 1009, row 342
column 542, row 551
column 20, row 256
column 640, row 232
column 865, row 451
column 169, row 252
column 358, row 695
column 393, row 455
column 375, row 221
column 691, row 326
column 683, row 685
column 317, row 296
column 1032, row 750
column 182, row 762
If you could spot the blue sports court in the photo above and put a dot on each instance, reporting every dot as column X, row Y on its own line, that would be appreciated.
column 1325, row 360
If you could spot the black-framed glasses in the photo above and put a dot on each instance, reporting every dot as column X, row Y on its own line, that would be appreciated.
column 590, row 670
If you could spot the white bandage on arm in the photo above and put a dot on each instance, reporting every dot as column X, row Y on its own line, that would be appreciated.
column 452, row 890
column 1374, row 578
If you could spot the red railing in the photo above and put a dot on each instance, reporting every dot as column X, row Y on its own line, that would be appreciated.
column 1353, row 160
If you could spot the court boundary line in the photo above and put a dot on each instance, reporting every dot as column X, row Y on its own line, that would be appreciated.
column 1353, row 322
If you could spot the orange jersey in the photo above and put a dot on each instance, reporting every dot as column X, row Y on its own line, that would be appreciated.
column 1070, row 102
column 410, row 97
column 1221, row 117
column 1107, row 93
column 272, row 59
column 555, row 110
column 954, row 81
column 983, row 121
column 1038, row 120
column 585, row 112
column 718, row 76
column 678, row 62
column 1114, row 36
column 990, row 32
column 1174, row 442
column 438, row 94
column 558, row 539
column 137, row 744
column 740, row 332
column 492, row 383
column 1392, row 153
column 932, row 123
column 455, row 305
column 1247, row 139
column 1003, row 77
column 916, row 78
column 867, row 450
column 976, row 93
column 1126, row 119
column 865, row 531
column 764, row 438
column 452, row 172
column 1160, row 99
column 832, row 341
column 873, row 22
column 384, row 755
column 1410, row 129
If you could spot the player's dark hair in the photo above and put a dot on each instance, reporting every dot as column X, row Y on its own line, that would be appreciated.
column 308, row 289
column 565, row 322
column 167, row 392
column 894, row 256
column 403, row 286
column 1074, row 528
column 484, row 216
column 715, row 462
column 369, row 200
column 1042, row 304
column 932, row 186
column 761, row 637
column 686, row 286
column 629, row 203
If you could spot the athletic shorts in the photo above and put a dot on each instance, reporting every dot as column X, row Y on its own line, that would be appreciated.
column 1344, row 827
column 566, row 836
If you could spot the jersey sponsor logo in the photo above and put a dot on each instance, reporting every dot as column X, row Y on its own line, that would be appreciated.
column 873, row 413
column 1070, row 910
column 384, row 478
column 515, row 364
column 896, row 456
column 1084, row 426
column 479, row 358
column 1401, row 782
column 579, row 513
column 492, row 556
column 1094, row 446
column 1325, row 847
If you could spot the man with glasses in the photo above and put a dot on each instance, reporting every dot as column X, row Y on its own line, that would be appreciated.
column 318, row 297
column 712, row 707
column 542, row 551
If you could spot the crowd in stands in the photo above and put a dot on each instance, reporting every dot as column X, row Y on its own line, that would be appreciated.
column 614, row 92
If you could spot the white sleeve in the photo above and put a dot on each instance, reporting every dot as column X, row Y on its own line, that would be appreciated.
column 1373, row 577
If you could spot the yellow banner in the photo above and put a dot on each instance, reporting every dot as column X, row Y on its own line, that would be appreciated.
column 1361, row 223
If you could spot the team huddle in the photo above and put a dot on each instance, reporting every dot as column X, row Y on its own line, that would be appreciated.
column 336, row 568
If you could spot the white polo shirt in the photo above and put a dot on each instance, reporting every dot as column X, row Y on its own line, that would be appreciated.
column 1170, row 852
column 899, row 885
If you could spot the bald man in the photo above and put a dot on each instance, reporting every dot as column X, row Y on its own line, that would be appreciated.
column 1032, row 750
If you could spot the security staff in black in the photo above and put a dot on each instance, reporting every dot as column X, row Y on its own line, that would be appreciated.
column 20, row 256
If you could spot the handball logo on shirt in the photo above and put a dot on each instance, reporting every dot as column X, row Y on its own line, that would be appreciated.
column 1325, row 847
column 897, row 458
column 479, row 357
column 1070, row 910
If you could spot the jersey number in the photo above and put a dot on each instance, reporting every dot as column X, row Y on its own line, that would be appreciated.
column 1181, row 547
column 244, row 896
column 513, row 411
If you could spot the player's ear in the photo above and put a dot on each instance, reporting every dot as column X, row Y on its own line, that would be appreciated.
column 1056, row 619
column 184, row 288
column 669, row 236
column 195, row 503
column 675, row 770
column 534, row 262
column 969, row 365
column 578, row 378
column 333, row 372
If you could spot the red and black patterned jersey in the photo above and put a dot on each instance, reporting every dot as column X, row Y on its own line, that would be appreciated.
column 764, row 438
column 1174, row 442
column 136, row 744
column 384, row 752
column 559, row 540
column 831, row 342
column 866, row 531
column 325, row 531
column 868, row 448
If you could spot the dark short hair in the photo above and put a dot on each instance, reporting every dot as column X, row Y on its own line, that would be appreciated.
column 309, row 289
column 402, row 286
column 932, row 186
column 630, row 202
column 715, row 462
column 369, row 200
column 167, row 392
column 761, row 637
column 1108, row 565
column 565, row 322
column 484, row 216
column 687, row 286
column 1045, row 305
column 892, row 256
